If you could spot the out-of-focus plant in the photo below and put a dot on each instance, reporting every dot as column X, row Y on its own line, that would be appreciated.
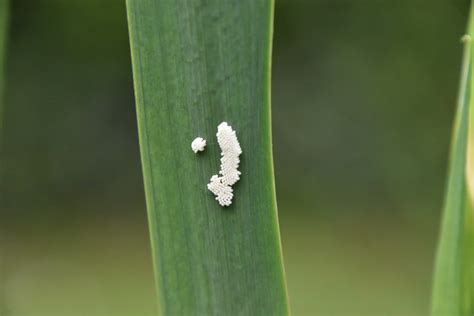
column 3, row 39
column 4, row 6
column 453, row 279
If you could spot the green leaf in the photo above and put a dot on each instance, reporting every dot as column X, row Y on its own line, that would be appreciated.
column 453, row 277
column 196, row 64
column 4, row 10
column 4, row 7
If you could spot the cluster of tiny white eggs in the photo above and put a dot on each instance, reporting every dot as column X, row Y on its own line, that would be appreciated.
column 198, row 144
column 221, row 185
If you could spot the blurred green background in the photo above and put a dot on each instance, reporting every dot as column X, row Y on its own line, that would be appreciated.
column 363, row 100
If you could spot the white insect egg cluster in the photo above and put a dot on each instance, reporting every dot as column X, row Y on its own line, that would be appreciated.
column 221, row 185
column 198, row 144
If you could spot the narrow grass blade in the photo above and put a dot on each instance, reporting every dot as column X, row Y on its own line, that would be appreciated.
column 196, row 64
column 452, row 288
column 4, row 8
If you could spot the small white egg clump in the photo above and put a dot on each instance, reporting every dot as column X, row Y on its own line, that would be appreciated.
column 221, row 185
column 198, row 144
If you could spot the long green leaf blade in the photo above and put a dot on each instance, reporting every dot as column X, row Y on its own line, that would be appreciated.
column 4, row 8
column 4, row 14
column 196, row 64
column 452, row 288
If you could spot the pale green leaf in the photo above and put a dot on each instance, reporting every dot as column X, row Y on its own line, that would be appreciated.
column 453, row 282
